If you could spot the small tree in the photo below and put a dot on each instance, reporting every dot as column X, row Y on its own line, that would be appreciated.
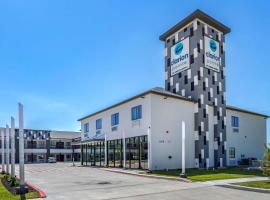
column 266, row 162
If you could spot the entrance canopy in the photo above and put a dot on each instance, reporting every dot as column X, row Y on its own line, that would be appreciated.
column 95, row 138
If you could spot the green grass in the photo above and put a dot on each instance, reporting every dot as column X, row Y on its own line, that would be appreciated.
column 217, row 174
column 256, row 184
column 6, row 195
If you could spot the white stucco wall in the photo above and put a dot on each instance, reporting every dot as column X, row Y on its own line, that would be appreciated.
column 130, row 127
column 250, row 139
column 164, row 116
column 167, row 114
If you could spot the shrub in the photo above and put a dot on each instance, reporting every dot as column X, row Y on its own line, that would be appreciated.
column 11, row 180
column 266, row 162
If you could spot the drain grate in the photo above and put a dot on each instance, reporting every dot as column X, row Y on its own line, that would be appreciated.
column 104, row 183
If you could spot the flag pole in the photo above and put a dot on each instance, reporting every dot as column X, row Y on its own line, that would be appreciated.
column 21, row 149
column 12, row 135
column 7, row 149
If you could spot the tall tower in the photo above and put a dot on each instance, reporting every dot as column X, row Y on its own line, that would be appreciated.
column 195, row 68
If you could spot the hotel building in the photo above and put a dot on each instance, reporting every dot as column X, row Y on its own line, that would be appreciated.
column 145, row 132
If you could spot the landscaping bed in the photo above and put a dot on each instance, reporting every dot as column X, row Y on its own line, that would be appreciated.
column 9, row 189
column 212, row 174
column 256, row 184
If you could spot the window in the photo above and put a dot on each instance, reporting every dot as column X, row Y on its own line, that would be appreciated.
column 174, row 90
column 235, row 121
column 168, row 62
column 136, row 112
column 180, row 75
column 231, row 152
column 203, row 58
column 168, row 86
column 186, row 79
column 191, row 59
column 185, row 29
column 173, row 42
column 204, row 86
column 213, row 80
column 98, row 124
column 199, row 75
column 221, row 49
column 202, row 31
column 168, row 40
column 217, row 89
column 222, row 124
column 191, row 31
column 204, row 113
column 86, row 127
column 192, row 86
column 198, row 47
column 115, row 119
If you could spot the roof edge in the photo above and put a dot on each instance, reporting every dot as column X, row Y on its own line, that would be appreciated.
column 161, row 91
column 156, row 90
column 200, row 15
column 246, row 111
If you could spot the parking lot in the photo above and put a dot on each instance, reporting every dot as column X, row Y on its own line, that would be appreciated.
column 61, row 181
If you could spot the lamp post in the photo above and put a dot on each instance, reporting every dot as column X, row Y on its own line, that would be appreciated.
column 21, row 149
column 183, row 174
column 124, row 150
column 149, row 148
column 12, row 136
column 3, row 149
column 105, row 149
column 7, row 149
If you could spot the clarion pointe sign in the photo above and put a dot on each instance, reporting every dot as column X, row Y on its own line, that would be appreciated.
column 212, row 58
column 180, row 58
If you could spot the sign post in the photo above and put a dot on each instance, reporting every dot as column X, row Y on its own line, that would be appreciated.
column 12, row 135
column 21, row 149
column 7, row 149
column 183, row 174
column 3, row 149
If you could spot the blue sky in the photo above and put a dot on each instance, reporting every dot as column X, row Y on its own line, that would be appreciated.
column 65, row 59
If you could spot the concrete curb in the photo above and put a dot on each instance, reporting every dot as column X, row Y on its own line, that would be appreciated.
column 150, row 176
column 251, row 189
column 41, row 193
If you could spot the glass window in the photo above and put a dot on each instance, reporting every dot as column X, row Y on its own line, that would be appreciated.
column 231, row 152
column 86, row 127
column 235, row 121
column 98, row 124
column 136, row 112
column 115, row 119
